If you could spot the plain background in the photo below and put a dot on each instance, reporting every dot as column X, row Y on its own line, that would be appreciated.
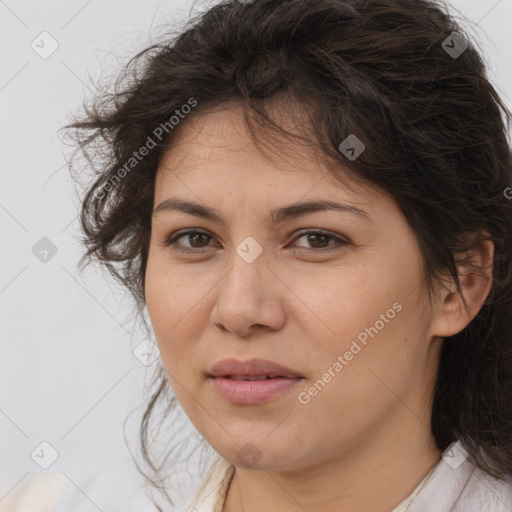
column 67, row 372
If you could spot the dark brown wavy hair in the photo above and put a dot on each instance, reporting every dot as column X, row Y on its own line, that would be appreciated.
column 436, row 136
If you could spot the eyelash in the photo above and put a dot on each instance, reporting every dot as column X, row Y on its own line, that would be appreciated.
column 171, row 240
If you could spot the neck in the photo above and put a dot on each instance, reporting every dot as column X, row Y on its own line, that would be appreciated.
column 376, row 475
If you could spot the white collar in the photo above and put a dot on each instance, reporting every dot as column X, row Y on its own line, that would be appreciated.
column 449, row 487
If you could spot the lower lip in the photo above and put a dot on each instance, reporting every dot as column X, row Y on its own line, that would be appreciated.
column 251, row 392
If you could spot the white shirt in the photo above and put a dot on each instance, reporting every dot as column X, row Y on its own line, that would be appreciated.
column 454, row 485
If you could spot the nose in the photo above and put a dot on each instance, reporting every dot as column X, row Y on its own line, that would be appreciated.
column 250, row 298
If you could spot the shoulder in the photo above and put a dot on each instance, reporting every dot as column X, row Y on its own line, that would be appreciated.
column 457, row 485
column 38, row 493
column 484, row 492
column 115, row 486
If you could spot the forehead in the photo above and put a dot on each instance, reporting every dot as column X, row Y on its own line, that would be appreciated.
column 232, row 131
column 217, row 149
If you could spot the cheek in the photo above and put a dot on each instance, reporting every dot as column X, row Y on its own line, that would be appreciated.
column 347, row 398
column 177, row 313
column 165, row 306
column 169, row 296
column 335, row 306
column 364, row 329
column 159, row 303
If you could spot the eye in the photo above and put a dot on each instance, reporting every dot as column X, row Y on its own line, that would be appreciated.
column 199, row 240
column 193, row 235
column 319, row 238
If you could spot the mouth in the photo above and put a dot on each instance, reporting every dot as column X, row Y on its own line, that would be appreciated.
column 251, row 382
column 257, row 377
column 252, row 391
column 256, row 369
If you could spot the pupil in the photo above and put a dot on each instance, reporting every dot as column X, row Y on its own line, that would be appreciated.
column 316, row 236
column 199, row 235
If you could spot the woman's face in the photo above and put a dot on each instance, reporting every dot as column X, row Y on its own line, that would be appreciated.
column 337, row 296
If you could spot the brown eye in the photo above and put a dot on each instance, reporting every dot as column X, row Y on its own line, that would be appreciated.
column 196, row 239
column 320, row 240
column 317, row 240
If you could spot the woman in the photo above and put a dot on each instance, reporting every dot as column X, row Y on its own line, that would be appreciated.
column 309, row 198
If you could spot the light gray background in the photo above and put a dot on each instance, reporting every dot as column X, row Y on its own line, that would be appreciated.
column 68, row 375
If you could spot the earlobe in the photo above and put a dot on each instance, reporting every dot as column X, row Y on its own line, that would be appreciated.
column 475, row 278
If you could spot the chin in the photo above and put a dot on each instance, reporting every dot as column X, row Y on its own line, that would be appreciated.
column 258, row 453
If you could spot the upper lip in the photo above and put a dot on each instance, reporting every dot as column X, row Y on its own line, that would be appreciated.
column 251, row 368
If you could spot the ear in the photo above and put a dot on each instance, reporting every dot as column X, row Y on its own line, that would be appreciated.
column 475, row 277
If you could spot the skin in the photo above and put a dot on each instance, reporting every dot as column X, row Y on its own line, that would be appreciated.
column 368, row 428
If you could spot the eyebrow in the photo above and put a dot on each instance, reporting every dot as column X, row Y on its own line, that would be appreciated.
column 275, row 217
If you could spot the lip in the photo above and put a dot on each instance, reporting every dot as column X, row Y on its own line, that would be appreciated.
column 251, row 392
column 251, row 368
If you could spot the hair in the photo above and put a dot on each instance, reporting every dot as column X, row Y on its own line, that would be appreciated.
column 435, row 136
